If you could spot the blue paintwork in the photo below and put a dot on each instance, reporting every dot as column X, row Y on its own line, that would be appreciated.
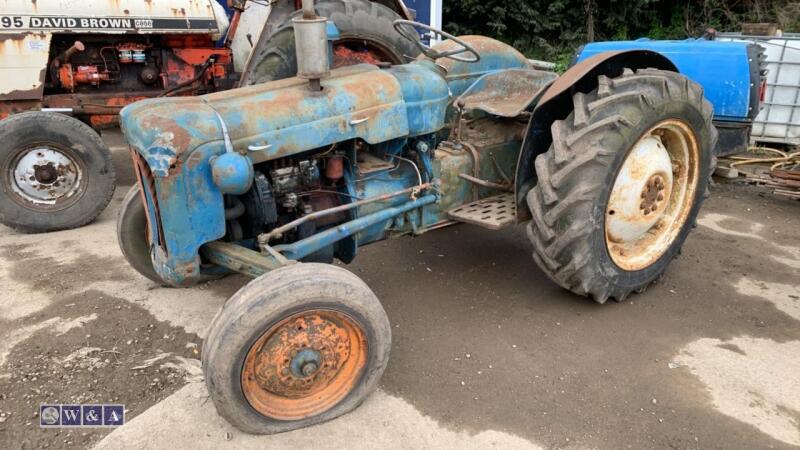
column 333, row 36
column 332, row 31
column 722, row 68
column 495, row 56
column 380, row 183
column 422, row 10
column 285, row 115
column 301, row 249
column 426, row 94
column 192, row 212
column 232, row 173
column 181, row 140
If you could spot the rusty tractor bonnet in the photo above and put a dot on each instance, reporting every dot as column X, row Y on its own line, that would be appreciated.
column 364, row 115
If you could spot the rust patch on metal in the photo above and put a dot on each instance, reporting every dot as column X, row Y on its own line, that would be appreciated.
column 304, row 365
column 15, row 107
column 633, row 58
column 664, row 205
column 174, row 135
column 482, row 44
column 13, row 37
column 507, row 93
column 93, row 103
column 344, row 56
column 575, row 73
column 653, row 195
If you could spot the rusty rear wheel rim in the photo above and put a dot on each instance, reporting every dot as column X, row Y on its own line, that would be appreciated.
column 652, row 196
column 304, row 365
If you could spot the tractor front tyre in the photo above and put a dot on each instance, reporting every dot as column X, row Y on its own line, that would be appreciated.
column 620, row 187
column 55, row 172
column 134, row 241
column 298, row 346
column 366, row 35
column 132, row 234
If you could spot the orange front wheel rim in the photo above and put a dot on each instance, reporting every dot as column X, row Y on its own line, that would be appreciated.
column 304, row 365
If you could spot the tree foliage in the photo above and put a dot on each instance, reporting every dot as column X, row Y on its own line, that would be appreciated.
column 552, row 29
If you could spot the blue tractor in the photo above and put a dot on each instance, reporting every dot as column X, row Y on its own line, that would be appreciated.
column 608, row 163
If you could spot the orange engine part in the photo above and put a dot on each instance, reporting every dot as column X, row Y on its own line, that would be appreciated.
column 90, row 75
column 69, row 78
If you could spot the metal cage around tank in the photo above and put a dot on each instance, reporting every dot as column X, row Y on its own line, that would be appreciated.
column 779, row 120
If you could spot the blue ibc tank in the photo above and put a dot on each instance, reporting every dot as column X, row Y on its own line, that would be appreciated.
column 729, row 72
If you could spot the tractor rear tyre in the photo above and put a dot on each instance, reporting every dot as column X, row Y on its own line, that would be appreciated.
column 298, row 346
column 55, row 172
column 367, row 35
column 620, row 188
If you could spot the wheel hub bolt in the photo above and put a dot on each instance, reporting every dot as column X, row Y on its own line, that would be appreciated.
column 652, row 194
column 309, row 368
column 45, row 174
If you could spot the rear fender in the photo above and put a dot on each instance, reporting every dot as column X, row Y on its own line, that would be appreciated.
column 556, row 104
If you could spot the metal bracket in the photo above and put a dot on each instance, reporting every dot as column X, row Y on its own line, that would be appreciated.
column 259, row 148
column 355, row 122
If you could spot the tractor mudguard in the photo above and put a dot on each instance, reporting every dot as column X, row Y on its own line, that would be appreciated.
column 556, row 104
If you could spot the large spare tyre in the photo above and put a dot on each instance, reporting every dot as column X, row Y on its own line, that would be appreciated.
column 367, row 35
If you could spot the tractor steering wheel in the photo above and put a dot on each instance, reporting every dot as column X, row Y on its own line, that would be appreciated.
column 403, row 27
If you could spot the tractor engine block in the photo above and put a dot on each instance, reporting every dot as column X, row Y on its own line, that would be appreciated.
column 96, row 75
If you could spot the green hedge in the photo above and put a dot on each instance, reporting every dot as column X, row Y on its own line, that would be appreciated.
column 553, row 29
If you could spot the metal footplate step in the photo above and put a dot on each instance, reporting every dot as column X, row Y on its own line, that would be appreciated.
column 493, row 212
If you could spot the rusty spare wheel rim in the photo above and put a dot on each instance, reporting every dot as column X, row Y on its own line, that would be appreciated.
column 304, row 365
column 46, row 176
column 652, row 196
column 348, row 52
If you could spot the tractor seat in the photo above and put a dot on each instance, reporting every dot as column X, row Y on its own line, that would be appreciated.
column 506, row 93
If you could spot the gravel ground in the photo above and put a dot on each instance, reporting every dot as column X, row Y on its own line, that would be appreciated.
column 486, row 351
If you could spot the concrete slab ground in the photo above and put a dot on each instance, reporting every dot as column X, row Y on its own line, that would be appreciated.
column 487, row 352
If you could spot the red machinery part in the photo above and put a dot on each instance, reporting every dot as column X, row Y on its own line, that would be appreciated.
column 69, row 78
column 65, row 77
column 334, row 168
column 96, row 80
column 90, row 75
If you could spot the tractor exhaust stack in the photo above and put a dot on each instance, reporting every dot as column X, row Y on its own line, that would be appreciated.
column 311, row 41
